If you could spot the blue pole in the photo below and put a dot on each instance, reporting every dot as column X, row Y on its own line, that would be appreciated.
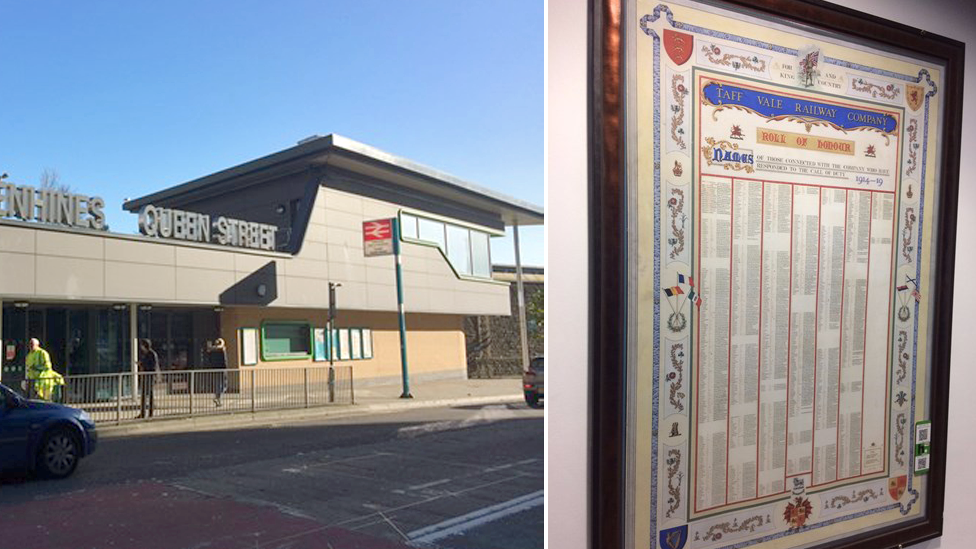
column 401, row 313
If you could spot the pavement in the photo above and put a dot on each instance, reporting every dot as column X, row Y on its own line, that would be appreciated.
column 375, row 399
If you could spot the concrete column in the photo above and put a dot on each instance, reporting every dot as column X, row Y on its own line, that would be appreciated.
column 520, row 290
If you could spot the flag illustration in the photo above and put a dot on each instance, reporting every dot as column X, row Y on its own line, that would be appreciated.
column 917, row 295
column 695, row 298
column 677, row 290
column 691, row 281
column 668, row 292
column 681, row 279
column 902, row 288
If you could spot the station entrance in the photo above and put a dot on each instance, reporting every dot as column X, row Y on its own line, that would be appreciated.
column 96, row 339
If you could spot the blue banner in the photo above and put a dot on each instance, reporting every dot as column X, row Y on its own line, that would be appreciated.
column 782, row 107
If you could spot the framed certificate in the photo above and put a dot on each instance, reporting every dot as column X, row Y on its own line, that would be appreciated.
column 773, row 205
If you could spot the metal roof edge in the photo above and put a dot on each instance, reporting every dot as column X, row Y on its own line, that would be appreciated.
column 341, row 144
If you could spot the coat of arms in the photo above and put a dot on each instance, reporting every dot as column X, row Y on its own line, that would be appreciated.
column 870, row 151
column 797, row 512
column 678, row 45
column 897, row 486
column 674, row 538
column 736, row 132
column 914, row 96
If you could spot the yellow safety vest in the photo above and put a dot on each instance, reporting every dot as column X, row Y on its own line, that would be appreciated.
column 42, row 374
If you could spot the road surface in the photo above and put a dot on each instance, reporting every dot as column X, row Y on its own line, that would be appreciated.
column 467, row 477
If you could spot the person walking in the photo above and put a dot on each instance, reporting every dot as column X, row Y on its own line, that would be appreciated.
column 148, row 362
column 217, row 360
column 41, row 377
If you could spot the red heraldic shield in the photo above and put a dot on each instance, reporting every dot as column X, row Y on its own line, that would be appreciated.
column 914, row 96
column 896, row 486
column 678, row 45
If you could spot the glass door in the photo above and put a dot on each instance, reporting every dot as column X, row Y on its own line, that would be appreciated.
column 14, row 345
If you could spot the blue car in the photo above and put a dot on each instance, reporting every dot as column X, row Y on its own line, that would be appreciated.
column 42, row 436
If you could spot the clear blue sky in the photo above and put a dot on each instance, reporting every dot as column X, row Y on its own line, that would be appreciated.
column 126, row 98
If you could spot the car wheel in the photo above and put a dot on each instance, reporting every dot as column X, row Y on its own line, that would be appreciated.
column 59, row 453
column 532, row 399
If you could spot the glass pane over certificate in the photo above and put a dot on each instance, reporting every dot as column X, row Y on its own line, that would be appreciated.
column 784, row 202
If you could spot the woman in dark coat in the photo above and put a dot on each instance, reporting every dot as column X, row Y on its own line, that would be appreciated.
column 217, row 360
column 148, row 363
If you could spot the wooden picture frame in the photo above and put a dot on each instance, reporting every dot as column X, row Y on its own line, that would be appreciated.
column 886, row 99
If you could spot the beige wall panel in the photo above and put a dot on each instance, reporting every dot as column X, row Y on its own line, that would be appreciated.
column 414, row 280
column 306, row 268
column 418, row 299
column 248, row 263
column 354, row 295
column 352, row 221
column 438, row 265
column 441, row 282
column 344, row 254
column 318, row 215
column 435, row 343
column 347, row 272
column 70, row 277
column 70, row 245
column 374, row 209
column 139, row 282
column 377, row 274
column 16, row 274
column 349, row 238
column 314, row 250
column 483, row 302
column 306, row 292
column 136, row 251
column 415, row 263
column 343, row 202
column 15, row 239
column 204, row 259
column 345, row 220
column 381, row 297
column 316, row 233
column 202, row 285
column 443, row 303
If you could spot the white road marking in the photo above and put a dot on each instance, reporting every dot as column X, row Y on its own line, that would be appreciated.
column 430, row 484
column 459, row 525
column 488, row 414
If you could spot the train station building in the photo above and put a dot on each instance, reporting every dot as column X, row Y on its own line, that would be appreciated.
column 248, row 254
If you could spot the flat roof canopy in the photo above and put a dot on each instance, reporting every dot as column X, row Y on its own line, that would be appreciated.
column 341, row 152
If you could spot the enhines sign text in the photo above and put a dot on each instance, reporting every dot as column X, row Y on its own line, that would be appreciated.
column 51, row 206
column 197, row 227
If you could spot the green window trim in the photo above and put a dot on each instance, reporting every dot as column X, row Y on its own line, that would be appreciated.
column 271, row 356
column 459, row 224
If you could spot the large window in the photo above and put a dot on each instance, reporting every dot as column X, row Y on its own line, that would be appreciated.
column 408, row 226
column 459, row 248
column 480, row 255
column 466, row 249
column 432, row 231
column 286, row 340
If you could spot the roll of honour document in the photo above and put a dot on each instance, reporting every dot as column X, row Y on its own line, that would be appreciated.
column 784, row 213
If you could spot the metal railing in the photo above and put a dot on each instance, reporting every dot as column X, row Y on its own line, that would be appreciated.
column 126, row 396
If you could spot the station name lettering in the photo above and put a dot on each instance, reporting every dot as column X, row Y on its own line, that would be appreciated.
column 197, row 227
column 51, row 206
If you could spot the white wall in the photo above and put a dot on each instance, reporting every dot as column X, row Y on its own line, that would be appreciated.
column 566, row 266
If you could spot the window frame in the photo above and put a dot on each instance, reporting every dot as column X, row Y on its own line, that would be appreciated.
column 266, row 357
